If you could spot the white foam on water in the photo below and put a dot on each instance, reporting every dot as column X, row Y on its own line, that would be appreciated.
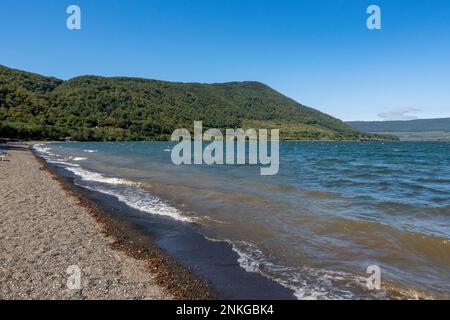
column 90, row 151
column 87, row 175
column 41, row 148
column 44, row 151
column 307, row 283
column 62, row 162
column 141, row 200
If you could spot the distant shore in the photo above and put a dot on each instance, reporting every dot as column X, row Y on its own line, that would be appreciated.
column 45, row 228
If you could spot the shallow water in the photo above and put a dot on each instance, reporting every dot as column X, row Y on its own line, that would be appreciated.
column 334, row 209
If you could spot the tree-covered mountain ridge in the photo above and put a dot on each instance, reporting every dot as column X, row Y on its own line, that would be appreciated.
column 97, row 108
column 415, row 125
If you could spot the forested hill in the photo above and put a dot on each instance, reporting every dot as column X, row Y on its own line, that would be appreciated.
column 419, row 125
column 99, row 108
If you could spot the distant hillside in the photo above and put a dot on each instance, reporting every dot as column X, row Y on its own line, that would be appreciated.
column 99, row 108
column 422, row 125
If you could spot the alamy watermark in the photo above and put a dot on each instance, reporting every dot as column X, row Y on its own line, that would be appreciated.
column 192, row 151
column 73, row 22
column 374, row 20
column 74, row 279
column 373, row 282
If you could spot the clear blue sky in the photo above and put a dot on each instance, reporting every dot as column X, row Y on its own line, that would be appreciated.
column 318, row 52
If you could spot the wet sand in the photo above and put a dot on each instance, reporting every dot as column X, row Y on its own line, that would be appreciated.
column 45, row 228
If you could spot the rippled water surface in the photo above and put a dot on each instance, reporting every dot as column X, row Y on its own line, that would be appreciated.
column 334, row 209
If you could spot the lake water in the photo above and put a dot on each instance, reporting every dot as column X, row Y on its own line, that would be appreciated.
column 334, row 209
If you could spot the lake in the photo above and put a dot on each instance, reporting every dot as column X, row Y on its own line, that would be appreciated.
column 333, row 210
